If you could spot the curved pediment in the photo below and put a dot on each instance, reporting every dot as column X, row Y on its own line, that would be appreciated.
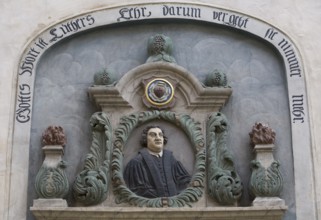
column 189, row 91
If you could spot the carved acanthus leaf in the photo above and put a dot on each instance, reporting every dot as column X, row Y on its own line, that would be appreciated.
column 52, row 182
column 266, row 182
column 91, row 185
column 224, row 184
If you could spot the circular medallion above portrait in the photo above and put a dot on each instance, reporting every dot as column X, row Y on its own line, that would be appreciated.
column 159, row 92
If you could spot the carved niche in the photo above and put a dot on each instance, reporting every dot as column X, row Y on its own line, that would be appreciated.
column 160, row 90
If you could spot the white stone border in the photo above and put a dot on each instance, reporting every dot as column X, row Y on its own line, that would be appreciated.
column 303, row 165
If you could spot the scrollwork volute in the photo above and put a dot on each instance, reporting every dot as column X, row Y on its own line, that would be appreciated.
column 192, row 193
column 224, row 184
column 91, row 184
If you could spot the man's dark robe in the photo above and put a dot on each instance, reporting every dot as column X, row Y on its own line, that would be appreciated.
column 151, row 176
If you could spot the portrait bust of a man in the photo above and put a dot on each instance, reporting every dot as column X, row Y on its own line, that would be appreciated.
column 154, row 172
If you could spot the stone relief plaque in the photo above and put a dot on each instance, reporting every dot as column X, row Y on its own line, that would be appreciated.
column 163, row 97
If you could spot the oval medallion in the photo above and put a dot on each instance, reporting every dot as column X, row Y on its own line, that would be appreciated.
column 159, row 92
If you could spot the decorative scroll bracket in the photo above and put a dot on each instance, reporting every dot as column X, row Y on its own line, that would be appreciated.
column 91, row 184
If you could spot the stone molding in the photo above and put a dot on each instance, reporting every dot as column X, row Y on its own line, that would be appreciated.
column 217, row 213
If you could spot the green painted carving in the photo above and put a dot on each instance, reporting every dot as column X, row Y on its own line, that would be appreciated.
column 160, row 48
column 192, row 193
column 216, row 79
column 105, row 77
column 91, row 185
column 266, row 182
column 224, row 184
column 52, row 182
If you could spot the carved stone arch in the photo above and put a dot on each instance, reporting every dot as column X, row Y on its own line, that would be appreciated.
column 294, row 71
column 189, row 91
column 187, row 84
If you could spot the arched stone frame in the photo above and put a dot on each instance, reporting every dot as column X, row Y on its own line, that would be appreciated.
column 303, row 162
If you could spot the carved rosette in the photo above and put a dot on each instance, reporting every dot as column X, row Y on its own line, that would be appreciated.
column 159, row 93
column 224, row 184
column 192, row 129
column 266, row 179
column 91, row 184
column 51, row 180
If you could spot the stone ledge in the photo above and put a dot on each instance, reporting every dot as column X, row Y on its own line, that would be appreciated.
column 213, row 213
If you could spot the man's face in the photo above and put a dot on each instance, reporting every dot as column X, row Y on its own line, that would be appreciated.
column 155, row 140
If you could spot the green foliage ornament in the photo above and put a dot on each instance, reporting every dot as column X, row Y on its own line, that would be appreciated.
column 52, row 182
column 192, row 129
column 91, row 185
column 224, row 184
column 266, row 182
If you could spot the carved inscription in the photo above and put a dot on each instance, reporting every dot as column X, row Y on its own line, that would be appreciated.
column 71, row 26
column 270, row 33
column 291, row 58
column 297, row 108
column 290, row 55
column 133, row 13
column 27, row 65
column 181, row 11
column 24, row 105
column 231, row 19
column 34, row 52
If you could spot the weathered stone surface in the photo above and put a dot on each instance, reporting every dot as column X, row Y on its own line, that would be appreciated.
column 268, row 201
column 41, row 203
column 217, row 213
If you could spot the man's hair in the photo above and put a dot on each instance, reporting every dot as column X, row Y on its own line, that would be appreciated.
column 143, row 140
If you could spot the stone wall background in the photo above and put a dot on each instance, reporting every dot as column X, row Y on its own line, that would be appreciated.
column 22, row 20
